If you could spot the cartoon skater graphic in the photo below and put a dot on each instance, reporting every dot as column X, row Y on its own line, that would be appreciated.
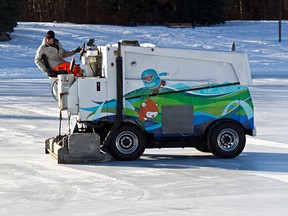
column 151, row 79
column 148, row 110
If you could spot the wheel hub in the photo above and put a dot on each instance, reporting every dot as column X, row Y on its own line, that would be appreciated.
column 228, row 139
column 126, row 142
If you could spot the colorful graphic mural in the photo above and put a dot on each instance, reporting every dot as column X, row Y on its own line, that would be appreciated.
column 210, row 102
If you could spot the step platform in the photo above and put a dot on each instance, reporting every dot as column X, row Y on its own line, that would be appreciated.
column 76, row 148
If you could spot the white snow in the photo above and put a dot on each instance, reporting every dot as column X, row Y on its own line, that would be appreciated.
column 161, row 182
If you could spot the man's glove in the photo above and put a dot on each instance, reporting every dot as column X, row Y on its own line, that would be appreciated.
column 50, row 72
column 77, row 50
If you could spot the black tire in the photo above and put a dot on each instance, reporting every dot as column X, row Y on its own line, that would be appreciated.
column 128, row 143
column 202, row 147
column 226, row 139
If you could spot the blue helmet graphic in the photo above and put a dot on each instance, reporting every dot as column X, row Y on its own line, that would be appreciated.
column 151, row 79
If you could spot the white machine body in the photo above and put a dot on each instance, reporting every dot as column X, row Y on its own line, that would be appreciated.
column 191, row 67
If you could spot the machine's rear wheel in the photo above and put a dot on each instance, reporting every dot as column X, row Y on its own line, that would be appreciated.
column 128, row 143
column 226, row 139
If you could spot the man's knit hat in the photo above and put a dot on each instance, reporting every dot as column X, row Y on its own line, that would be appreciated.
column 50, row 34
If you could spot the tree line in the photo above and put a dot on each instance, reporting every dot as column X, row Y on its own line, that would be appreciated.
column 137, row 12
column 126, row 12
column 152, row 12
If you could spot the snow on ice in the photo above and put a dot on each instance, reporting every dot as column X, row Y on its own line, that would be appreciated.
column 161, row 182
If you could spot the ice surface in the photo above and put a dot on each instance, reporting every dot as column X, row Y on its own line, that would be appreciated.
column 161, row 182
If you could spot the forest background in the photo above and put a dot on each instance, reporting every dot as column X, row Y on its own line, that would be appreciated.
column 137, row 12
column 150, row 12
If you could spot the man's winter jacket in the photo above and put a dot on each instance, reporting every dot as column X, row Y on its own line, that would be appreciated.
column 55, row 55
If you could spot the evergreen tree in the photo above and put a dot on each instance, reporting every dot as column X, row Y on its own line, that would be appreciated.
column 203, row 12
column 10, row 11
column 211, row 12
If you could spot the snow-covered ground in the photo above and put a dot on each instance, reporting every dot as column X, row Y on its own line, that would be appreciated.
column 161, row 182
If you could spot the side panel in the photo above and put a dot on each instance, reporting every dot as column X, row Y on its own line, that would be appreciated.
column 109, row 69
column 206, row 105
column 92, row 94
column 194, row 66
column 73, row 104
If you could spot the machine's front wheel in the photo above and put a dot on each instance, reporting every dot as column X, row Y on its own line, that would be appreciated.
column 128, row 143
column 226, row 139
